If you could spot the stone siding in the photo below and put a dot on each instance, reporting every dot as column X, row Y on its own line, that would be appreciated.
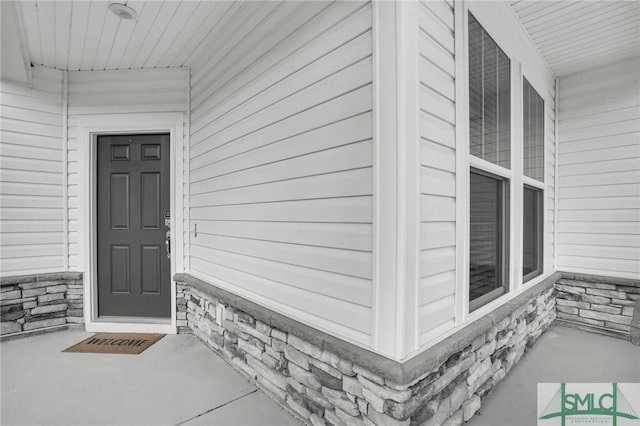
column 324, row 388
column 596, row 303
column 32, row 303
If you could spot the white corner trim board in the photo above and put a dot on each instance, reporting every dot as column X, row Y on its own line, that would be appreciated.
column 65, row 170
column 89, row 127
column 396, row 177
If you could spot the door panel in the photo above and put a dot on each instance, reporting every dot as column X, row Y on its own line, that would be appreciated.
column 151, row 267
column 119, row 201
column 150, row 197
column 120, row 277
column 134, row 272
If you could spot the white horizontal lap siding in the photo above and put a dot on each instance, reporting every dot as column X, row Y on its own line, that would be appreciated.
column 280, row 182
column 31, row 169
column 438, row 176
column 122, row 91
column 599, row 182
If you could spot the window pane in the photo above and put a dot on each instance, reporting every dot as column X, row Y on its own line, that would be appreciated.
column 532, row 229
column 504, row 110
column 488, row 235
column 475, row 87
column 533, row 132
column 489, row 98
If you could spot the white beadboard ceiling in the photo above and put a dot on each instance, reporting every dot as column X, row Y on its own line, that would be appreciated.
column 576, row 35
column 84, row 35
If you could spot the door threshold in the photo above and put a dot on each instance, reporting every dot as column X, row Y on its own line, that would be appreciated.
column 134, row 320
column 131, row 325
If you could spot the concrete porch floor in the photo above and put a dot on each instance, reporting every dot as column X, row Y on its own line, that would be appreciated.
column 562, row 355
column 177, row 381
column 180, row 381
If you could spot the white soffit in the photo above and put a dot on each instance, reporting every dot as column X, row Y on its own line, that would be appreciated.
column 576, row 35
column 84, row 35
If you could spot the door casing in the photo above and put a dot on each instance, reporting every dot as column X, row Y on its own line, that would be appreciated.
column 89, row 127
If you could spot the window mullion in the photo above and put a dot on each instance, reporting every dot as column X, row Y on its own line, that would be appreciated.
column 517, row 149
column 497, row 105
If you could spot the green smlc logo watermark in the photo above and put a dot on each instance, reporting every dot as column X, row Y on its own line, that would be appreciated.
column 564, row 404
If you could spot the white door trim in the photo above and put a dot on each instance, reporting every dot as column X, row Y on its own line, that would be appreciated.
column 89, row 127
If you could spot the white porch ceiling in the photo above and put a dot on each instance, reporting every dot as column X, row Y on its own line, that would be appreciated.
column 576, row 35
column 83, row 35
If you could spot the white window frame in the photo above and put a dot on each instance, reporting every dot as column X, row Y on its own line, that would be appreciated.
column 465, row 161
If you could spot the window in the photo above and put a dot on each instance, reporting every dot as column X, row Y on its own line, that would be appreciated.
column 533, row 168
column 489, row 98
column 533, row 132
column 489, row 140
column 505, row 162
column 532, row 233
column 489, row 232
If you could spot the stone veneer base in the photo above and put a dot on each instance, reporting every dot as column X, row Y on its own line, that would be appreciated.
column 36, row 304
column 324, row 380
column 598, row 304
column 39, row 331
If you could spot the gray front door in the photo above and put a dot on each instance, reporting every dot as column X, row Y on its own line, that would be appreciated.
column 133, row 198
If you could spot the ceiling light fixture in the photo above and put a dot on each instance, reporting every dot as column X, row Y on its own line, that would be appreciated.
column 122, row 11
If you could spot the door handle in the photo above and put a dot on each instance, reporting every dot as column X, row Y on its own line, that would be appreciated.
column 167, row 244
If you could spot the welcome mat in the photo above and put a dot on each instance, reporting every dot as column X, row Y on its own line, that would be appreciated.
column 116, row 343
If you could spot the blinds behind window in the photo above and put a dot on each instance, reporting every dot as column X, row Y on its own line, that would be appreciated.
column 533, row 132
column 489, row 98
